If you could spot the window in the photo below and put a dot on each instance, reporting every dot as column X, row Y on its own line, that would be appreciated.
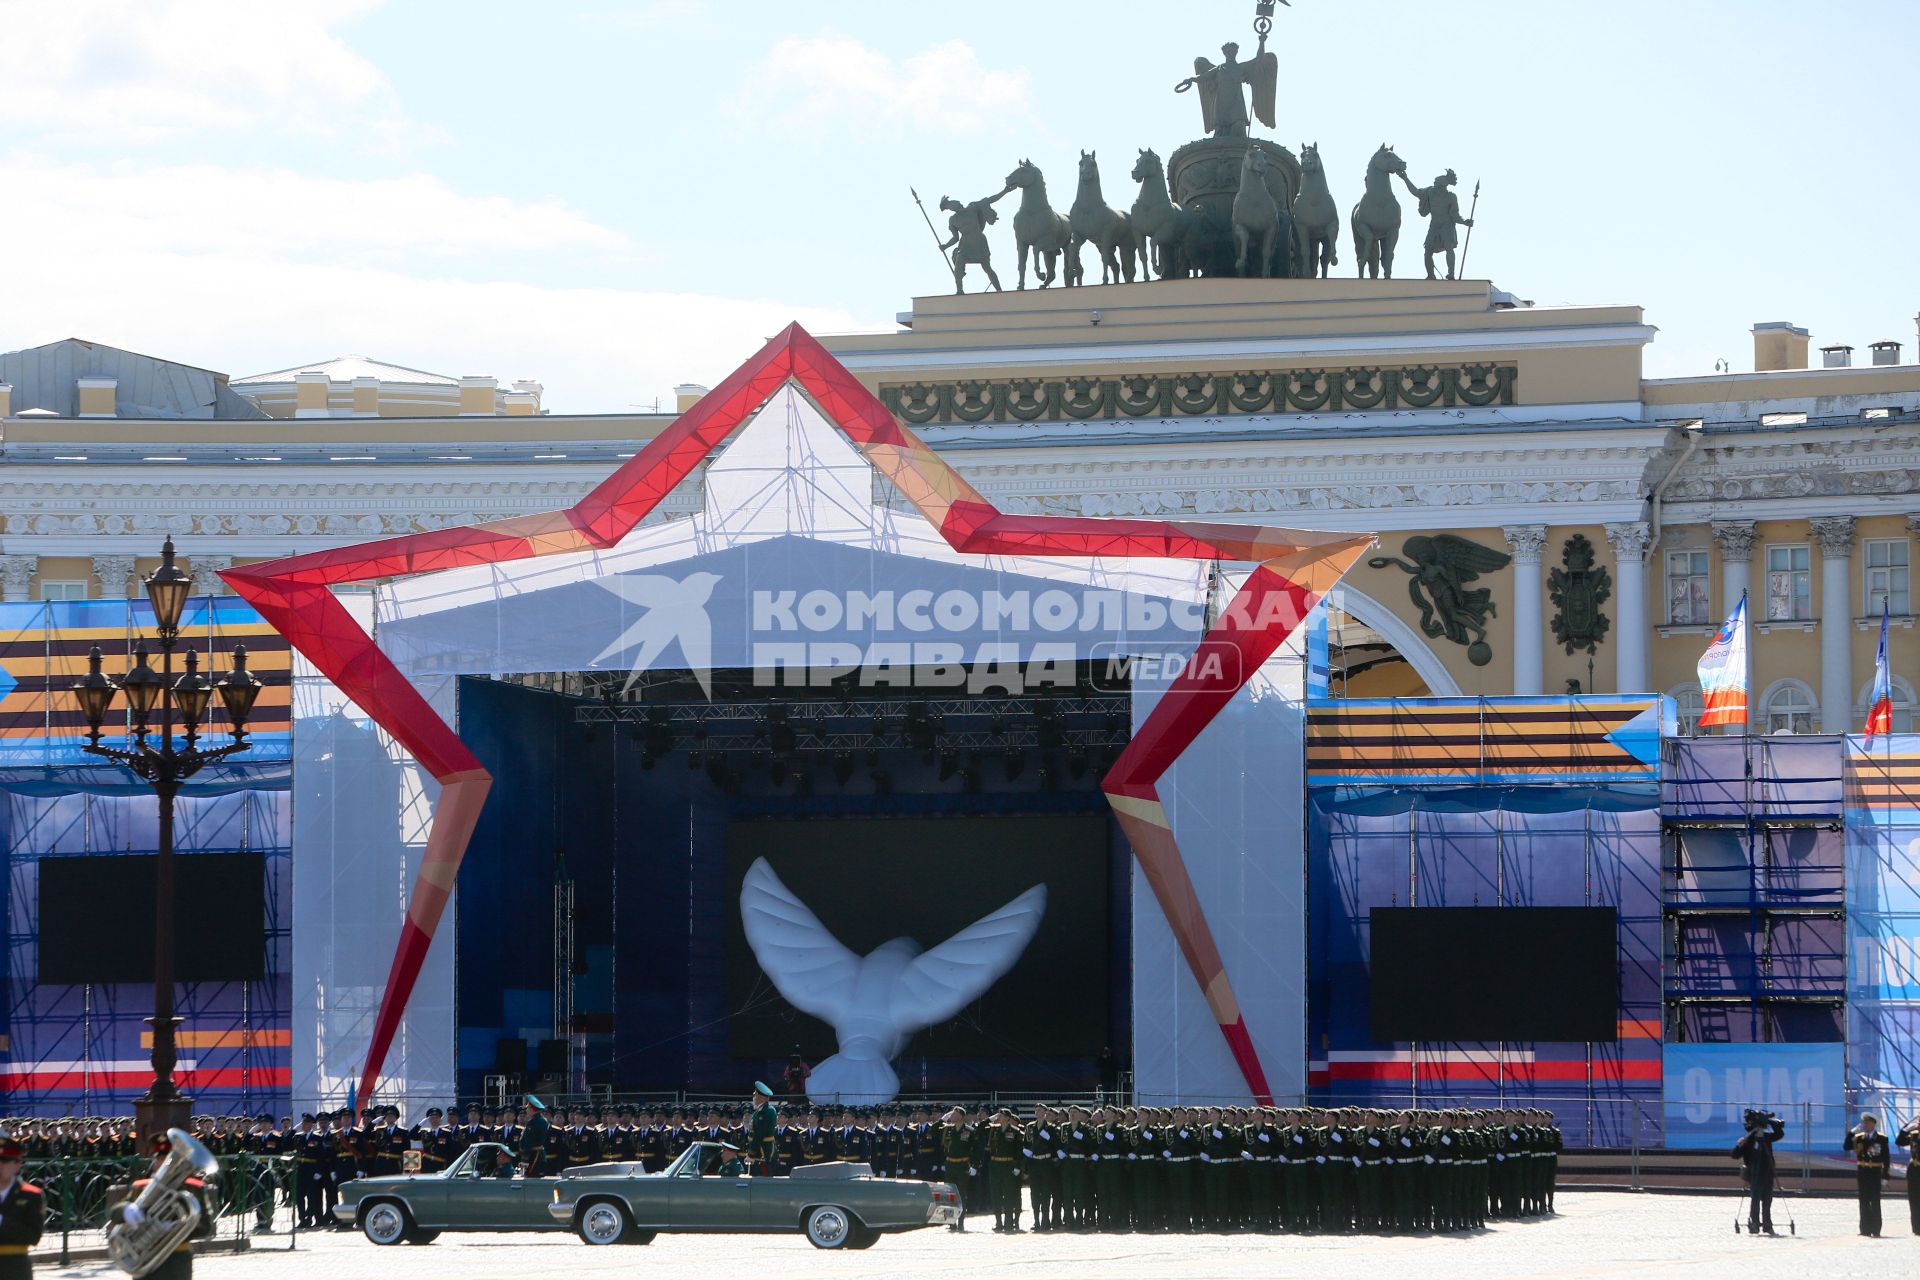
column 1789, row 584
column 1687, row 587
column 1789, row 709
column 1690, row 704
column 1886, row 576
column 62, row 589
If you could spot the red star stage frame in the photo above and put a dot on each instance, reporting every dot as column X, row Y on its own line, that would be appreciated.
column 1292, row 570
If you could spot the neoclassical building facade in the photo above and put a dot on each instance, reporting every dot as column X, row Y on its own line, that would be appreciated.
column 1549, row 518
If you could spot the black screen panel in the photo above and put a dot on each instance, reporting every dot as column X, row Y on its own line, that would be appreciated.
column 96, row 918
column 1495, row 973
column 873, row 879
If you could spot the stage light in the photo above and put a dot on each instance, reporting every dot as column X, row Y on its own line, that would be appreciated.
column 970, row 781
column 1113, row 723
column 1016, row 763
column 949, row 764
column 842, row 766
column 997, row 726
column 803, row 782
column 882, row 782
column 693, row 760
column 1049, row 774
column 873, row 757
column 1077, row 762
column 717, row 770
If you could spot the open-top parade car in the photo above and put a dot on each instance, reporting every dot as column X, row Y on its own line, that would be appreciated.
column 835, row 1206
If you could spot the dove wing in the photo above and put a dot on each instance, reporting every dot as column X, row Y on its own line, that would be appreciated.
column 807, row 964
column 941, row 982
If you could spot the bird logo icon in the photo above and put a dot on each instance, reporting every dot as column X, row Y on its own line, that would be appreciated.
column 676, row 610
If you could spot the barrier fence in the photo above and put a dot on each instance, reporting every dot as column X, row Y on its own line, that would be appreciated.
column 79, row 1191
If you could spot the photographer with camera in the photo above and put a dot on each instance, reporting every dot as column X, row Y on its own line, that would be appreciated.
column 1755, row 1153
column 1871, row 1158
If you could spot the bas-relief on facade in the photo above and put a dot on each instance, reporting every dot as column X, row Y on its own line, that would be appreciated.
column 1166, row 399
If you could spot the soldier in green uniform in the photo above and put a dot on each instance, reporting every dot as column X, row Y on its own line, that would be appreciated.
column 1182, row 1153
column 1110, row 1148
column 1220, row 1156
column 957, row 1141
column 1003, row 1164
column 1039, row 1150
column 1145, row 1169
column 762, row 1127
column 1263, row 1147
column 535, row 1130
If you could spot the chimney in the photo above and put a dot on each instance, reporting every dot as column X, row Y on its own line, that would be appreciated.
column 6, row 399
column 477, row 397
column 310, row 392
column 98, row 397
column 1886, row 351
column 521, row 404
column 688, row 394
column 1837, row 356
column 366, row 397
column 1779, row 345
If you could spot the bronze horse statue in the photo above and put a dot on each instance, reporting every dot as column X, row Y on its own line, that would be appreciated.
column 1376, row 219
column 1038, row 228
column 1156, row 217
column 1093, row 220
column 1316, row 217
column 1256, row 213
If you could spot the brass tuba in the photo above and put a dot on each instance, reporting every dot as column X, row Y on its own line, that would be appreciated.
column 145, row 1232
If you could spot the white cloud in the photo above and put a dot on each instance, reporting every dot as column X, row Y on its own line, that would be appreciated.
column 196, row 209
column 835, row 81
column 249, row 272
column 141, row 69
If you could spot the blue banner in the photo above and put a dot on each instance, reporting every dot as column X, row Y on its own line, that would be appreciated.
column 1709, row 1087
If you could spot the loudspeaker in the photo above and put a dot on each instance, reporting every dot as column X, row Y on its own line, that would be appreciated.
column 510, row 1057
column 552, row 1060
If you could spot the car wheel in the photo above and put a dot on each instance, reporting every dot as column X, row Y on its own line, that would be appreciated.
column 603, row 1222
column 386, row 1222
column 863, row 1238
column 828, row 1226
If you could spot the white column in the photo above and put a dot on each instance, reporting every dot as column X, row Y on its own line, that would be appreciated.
column 1629, row 540
column 114, row 573
column 1835, row 534
column 1529, row 633
column 206, row 574
column 1736, row 576
column 15, row 574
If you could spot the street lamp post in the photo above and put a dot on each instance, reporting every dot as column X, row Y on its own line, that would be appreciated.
column 164, row 764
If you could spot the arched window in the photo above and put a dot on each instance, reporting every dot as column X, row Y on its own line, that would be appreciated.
column 1788, row 707
column 1903, row 705
column 1691, row 703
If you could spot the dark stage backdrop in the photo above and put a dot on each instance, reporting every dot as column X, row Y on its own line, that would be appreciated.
column 96, row 918
column 872, row 879
column 1495, row 973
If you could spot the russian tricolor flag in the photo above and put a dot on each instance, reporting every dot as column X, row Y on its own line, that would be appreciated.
column 1880, row 708
column 1723, row 671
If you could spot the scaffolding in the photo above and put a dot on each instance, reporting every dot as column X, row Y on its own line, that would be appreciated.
column 1753, row 864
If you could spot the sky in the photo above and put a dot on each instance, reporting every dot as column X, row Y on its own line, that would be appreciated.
column 616, row 196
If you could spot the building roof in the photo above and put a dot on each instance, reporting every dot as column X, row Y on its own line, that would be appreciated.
column 347, row 368
column 44, row 377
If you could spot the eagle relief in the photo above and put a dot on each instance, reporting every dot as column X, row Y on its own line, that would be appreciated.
column 1442, row 564
column 1579, row 588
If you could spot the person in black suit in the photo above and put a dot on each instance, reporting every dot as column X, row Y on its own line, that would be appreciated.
column 1755, row 1153
column 1871, row 1156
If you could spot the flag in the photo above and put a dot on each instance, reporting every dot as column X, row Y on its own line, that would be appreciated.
column 1880, row 706
column 1723, row 671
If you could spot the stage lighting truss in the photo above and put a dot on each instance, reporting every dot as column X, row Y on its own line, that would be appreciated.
column 1086, row 726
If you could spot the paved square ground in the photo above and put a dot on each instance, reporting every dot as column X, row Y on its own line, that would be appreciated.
column 1595, row 1234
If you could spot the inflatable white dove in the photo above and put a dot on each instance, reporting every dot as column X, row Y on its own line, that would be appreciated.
column 875, row 1002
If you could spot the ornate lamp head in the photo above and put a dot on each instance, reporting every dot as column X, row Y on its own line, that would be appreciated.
column 95, row 693
column 191, row 692
column 167, row 589
column 238, row 689
column 143, row 685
